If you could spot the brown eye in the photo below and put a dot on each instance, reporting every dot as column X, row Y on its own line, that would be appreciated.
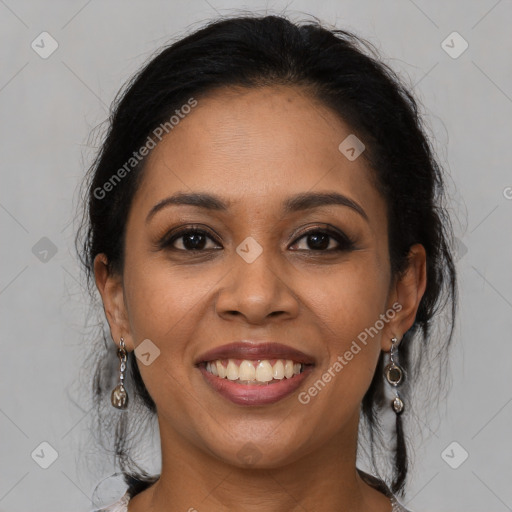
column 325, row 241
column 189, row 240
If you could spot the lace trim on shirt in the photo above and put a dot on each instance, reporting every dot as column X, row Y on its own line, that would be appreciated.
column 119, row 506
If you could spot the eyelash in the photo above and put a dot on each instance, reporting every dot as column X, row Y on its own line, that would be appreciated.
column 345, row 243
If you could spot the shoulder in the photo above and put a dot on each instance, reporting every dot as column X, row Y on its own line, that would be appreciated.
column 119, row 506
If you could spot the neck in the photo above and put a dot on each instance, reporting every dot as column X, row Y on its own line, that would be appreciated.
column 326, row 478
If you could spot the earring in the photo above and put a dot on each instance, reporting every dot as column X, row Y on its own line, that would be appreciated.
column 394, row 375
column 119, row 397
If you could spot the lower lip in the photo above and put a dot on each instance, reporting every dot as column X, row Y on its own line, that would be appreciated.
column 247, row 394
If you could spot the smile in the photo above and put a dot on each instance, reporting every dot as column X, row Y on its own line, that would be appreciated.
column 254, row 383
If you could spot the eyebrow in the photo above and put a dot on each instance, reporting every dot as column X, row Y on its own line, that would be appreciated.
column 299, row 202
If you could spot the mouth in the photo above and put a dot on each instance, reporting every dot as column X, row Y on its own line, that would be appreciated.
column 254, row 374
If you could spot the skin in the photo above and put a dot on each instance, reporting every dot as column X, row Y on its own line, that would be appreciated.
column 256, row 148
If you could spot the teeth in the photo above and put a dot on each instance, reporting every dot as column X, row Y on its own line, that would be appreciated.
column 232, row 370
column 288, row 369
column 255, row 371
column 220, row 369
column 246, row 371
column 278, row 370
column 264, row 371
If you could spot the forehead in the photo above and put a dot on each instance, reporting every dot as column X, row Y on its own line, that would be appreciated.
column 256, row 147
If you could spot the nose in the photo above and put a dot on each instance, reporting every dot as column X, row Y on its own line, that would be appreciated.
column 256, row 292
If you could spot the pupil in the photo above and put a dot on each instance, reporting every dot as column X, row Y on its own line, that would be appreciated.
column 193, row 241
column 318, row 241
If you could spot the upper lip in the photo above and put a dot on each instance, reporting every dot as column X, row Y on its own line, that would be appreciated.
column 255, row 350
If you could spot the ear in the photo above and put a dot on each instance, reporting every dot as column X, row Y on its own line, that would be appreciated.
column 406, row 294
column 110, row 287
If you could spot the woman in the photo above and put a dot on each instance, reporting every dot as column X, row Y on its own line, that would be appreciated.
column 264, row 226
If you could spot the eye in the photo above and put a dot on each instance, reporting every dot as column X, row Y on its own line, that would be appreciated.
column 191, row 239
column 325, row 240
column 194, row 239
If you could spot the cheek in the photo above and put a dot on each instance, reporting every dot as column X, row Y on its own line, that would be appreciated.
column 161, row 303
column 165, row 308
column 348, row 306
column 349, row 298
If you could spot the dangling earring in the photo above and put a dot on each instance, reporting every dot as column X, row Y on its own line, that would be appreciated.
column 394, row 375
column 119, row 397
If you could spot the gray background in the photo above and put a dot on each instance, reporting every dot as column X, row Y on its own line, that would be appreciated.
column 48, row 109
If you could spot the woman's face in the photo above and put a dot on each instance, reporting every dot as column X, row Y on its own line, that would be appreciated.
column 256, row 275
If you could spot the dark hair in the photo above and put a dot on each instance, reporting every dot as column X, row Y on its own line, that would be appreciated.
column 347, row 75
